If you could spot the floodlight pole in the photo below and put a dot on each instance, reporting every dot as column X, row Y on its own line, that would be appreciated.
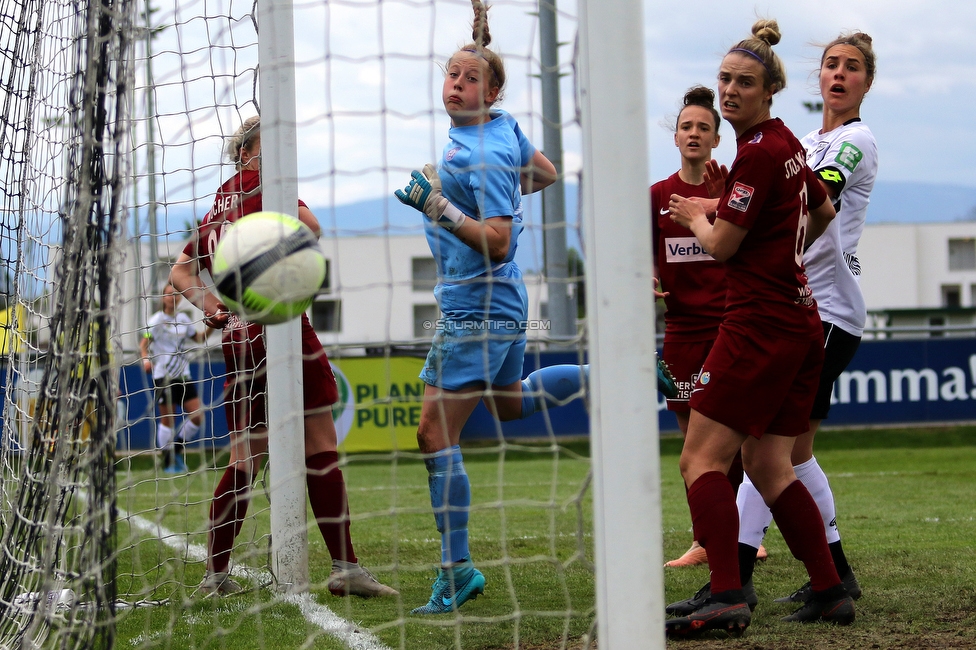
column 279, row 181
column 620, row 322
column 562, row 306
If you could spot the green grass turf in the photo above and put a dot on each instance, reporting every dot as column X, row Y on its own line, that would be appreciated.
column 905, row 510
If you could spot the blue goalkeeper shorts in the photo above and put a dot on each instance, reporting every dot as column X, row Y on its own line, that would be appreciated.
column 480, row 337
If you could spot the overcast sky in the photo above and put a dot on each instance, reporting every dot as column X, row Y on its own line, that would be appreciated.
column 921, row 105
column 369, row 83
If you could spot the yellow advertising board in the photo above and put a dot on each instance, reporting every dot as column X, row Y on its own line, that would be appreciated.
column 379, row 403
column 12, row 340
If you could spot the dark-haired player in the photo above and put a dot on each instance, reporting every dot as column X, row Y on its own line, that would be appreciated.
column 692, row 281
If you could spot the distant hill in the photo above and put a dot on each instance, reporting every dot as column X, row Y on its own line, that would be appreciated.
column 891, row 202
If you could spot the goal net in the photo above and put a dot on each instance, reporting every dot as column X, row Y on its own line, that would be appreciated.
column 116, row 121
column 63, row 161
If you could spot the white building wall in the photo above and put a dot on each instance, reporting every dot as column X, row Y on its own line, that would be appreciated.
column 371, row 277
column 905, row 266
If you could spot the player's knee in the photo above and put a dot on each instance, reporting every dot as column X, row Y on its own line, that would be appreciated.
column 423, row 439
column 508, row 408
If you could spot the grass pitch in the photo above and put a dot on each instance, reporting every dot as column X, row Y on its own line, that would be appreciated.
column 905, row 501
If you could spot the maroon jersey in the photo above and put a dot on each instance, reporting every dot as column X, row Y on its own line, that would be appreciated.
column 243, row 342
column 768, row 192
column 694, row 280
column 238, row 196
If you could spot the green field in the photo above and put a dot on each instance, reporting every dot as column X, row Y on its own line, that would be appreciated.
column 905, row 502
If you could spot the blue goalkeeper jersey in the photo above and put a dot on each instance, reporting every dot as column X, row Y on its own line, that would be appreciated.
column 480, row 174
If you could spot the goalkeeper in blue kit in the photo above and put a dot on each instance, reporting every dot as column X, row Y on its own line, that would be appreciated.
column 473, row 207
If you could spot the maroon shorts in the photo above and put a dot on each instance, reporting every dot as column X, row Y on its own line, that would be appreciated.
column 759, row 384
column 245, row 388
column 685, row 359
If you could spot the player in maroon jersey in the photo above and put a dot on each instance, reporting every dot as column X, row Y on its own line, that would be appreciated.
column 756, row 388
column 844, row 155
column 693, row 282
column 245, row 394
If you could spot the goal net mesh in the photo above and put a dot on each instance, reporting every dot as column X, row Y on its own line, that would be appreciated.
column 116, row 119
column 63, row 160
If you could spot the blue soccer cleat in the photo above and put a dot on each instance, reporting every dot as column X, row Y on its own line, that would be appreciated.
column 454, row 587
column 666, row 382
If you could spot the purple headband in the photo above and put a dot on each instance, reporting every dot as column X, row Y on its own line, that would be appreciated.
column 753, row 55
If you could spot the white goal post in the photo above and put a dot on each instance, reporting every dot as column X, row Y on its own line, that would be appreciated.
column 620, row 307
column 279, row 180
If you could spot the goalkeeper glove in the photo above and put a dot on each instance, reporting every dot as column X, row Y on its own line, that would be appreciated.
column 423, row 193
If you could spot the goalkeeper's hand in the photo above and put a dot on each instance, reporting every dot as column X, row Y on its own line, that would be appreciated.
column 423, row 193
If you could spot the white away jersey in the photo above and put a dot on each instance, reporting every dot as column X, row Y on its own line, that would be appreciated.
column 845, row 159
column 167, row 344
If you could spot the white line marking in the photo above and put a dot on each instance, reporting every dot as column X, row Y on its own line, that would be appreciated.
column 315, row 613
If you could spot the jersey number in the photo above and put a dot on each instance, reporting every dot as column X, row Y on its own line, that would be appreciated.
column 213, row 237
column 801, row 226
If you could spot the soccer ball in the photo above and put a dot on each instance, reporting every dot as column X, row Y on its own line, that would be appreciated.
column 267, row 267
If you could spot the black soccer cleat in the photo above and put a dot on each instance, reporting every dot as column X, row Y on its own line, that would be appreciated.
column 838, row 610
column 733, row 618
column 689, row 605
column 805, row 593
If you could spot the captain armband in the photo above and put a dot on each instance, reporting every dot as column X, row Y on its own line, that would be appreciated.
column 832, row 178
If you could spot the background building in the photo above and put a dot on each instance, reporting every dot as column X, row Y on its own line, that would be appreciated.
column 920, row 277
column 378, row 292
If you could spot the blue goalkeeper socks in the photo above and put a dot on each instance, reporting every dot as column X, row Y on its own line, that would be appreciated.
column 450, row 496
column 552, row 386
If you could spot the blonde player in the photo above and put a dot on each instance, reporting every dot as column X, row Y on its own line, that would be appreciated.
column 844, row 156
column 757, row 385
column 246, row 394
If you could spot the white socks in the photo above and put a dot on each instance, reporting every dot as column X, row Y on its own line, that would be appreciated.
column 816, row 481
column 164, row 436
column 189, row 430
column 754, row 514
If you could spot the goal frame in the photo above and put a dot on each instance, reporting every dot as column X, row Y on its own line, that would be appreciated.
column 624, row 436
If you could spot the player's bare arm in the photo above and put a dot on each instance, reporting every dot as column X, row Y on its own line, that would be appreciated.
column 185, row 276
column 541, row 174
column 144, row 352
column 492, row 237
column 820, row 218
column 309, row 219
